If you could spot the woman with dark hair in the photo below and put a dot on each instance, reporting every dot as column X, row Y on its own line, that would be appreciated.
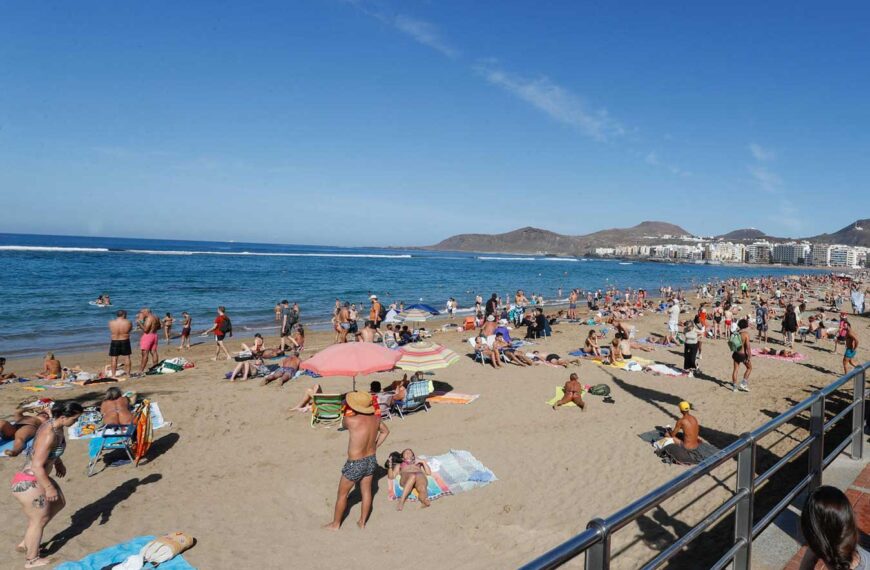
column 116, row 408
column 789, row 325
column 39, row 494
column 828, row 525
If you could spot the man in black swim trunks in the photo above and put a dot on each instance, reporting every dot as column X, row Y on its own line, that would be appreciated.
column 367, row 433
column 120, row 328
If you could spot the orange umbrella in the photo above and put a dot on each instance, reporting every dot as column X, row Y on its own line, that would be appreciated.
column 352, row 359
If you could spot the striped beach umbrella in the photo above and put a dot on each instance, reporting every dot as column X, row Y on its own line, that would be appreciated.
column 415, row 315
column 424, row 356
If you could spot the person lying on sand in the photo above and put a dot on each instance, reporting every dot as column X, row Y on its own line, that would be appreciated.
column 686, row 438
column 22, row 428
column 573, row 393
column 116, row 408
column 553, row 360
column 285, row 372
column 412, row 473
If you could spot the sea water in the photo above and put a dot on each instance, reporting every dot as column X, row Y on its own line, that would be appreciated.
column 47, row 282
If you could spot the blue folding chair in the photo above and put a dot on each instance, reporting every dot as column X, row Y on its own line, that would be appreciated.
column 111, row 438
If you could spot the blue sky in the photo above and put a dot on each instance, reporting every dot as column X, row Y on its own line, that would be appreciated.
column 365, row 123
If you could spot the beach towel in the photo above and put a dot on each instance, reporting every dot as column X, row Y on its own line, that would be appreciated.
column 796, row 358
column 452, row 398
column 8, row 443
column 633, row 365
column 665, row 370
column 647, row 341
column 436, row 488
column 704, row 449
column 461, row 471
column 583, row 354
column 13, row 381
column 113, row 555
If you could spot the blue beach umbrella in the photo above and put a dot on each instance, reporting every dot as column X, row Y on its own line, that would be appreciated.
column 429, row 309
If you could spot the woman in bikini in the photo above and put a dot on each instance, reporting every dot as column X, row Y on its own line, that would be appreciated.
column 250, row 367
column 40, row 496
column 21, row 429
column 591, row 347
column 116, row 408
column 412, row 472
column 167, row 322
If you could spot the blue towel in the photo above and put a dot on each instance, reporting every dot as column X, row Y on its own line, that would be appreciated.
column 94, row 444
column 8, row 443
column 118, row 553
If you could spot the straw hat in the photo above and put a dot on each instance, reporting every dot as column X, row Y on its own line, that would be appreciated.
column 360, row 402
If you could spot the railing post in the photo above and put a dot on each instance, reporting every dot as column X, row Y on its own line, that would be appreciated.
column 858, row 416
column 744, row 508
column 598, row 555
column 817, row 447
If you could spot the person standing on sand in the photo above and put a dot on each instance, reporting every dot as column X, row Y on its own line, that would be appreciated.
column 343, row 320
column 573, row 393
column 375, row 313
column 168, row 321
column 149, row 324
column 186, row 325
column 119, row 329
column 572, row 303
column 851, row 349
column 761, row 321
column 741, row 353
column 673, row 321
column 367, row 433
column 221, row 328
column 286, row 324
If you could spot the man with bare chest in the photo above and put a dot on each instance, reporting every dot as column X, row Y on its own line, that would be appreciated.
column 119, row 329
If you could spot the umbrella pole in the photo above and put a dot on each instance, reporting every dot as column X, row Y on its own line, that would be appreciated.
column 354, row 383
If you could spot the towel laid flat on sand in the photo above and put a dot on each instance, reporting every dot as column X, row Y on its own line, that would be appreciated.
column 703, row 451
column 8, row 443
column 625, row 364
column 460, row 471
column 583, row 354
column 157, row 422
column 665, row 370
column 109, row 557
column 796, row 358
column 452, row 398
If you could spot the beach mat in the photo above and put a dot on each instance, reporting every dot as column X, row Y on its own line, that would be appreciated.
column 108, row 557
column 560, row 393
column 8, row 443
column 652, row 436
column 452, row 398
column 796, row 358
column 641, row 362
column 583, row 354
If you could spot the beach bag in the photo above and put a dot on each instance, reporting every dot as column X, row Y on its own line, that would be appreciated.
column 662, row 443
column 165, row 548
column 735, row 342
column 600, row 390
column 226, row 326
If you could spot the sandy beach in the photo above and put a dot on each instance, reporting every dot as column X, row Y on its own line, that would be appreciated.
column 253, row 482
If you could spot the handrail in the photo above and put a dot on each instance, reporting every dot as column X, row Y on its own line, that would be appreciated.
column 595, row 541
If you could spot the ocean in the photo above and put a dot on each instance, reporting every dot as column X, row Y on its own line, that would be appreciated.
column 46, row 282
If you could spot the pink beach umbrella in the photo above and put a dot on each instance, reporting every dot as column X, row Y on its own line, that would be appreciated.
column 352, row 359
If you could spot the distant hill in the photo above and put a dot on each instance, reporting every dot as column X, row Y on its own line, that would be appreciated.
column 537, row 241
column 856, row 233
column 542, row 242
column 744, row 234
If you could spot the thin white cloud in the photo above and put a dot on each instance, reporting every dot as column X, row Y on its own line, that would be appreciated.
column 760, row 153
column 652, row 159
column 424, row 33
column 557, row 102
column 766, row 179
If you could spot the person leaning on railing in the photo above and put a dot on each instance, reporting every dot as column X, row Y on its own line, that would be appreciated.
column 828, row 525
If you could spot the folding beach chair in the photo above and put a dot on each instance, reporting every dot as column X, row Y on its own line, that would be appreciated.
column 478, row 355
column 385, row 402
column 113, row 436
column 326, row 408
column 418, row 392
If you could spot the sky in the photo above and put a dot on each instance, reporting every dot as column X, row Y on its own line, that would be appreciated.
column 404, row 122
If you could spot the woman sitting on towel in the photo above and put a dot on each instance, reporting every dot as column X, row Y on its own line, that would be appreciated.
column 412, row 472
column 591, row 344
column 615, row 351
column 21, row 429
column 116, row 408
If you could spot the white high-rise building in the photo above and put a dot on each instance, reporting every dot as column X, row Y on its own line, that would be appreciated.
column 842, row 256
column 820, row 254
column 758, row 252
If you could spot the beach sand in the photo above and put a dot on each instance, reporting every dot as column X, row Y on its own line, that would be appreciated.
column 254, row 483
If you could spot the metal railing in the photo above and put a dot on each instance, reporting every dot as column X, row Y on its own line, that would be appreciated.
column 595, row 541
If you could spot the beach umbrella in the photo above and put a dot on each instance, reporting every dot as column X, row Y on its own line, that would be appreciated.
column 423, row 307
column 415, row 315
column 351, row 359
column 144, row 432
column 424, row 356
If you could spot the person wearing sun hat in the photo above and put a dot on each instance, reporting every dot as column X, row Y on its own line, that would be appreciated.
column 686, row 438
column 367, row 433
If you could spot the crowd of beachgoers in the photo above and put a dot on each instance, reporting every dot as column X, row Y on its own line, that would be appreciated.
column 505, row 330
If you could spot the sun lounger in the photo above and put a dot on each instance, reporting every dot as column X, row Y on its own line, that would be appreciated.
column 112, row 437
column 418, row 392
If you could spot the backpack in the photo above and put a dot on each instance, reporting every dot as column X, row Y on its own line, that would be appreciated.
column 735, row 342
column 382, row 313
column 226, row 326
column 600, row 390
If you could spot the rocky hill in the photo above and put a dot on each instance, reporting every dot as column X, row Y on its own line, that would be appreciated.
column 857, row 233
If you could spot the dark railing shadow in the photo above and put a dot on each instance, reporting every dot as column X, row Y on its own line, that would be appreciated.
column 100, row 510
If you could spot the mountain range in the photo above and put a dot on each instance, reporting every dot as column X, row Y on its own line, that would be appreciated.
column 537, row 241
